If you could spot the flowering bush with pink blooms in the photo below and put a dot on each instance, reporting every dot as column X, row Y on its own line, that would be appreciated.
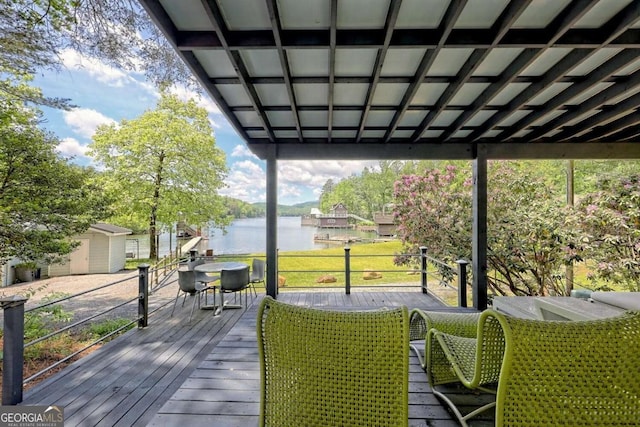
column 610, row 222
column 531, row 237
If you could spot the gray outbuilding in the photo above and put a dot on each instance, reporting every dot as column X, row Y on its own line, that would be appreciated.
column 102, row 250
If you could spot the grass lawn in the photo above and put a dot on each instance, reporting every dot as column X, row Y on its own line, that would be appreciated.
column 302, row 269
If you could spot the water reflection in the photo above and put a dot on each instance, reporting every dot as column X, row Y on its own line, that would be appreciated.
column 248, row 235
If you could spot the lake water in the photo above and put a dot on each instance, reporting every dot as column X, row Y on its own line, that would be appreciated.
column 248, row 235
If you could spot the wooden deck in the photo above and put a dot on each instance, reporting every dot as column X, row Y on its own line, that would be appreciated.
column 205, row 373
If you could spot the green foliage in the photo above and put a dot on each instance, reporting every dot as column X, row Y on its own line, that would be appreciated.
column 98, row 330
column 38, row 323
column 35, row 33
column 240, row 209
column 610, row 222
column 363, row 194
column 434, row 209
column 530, row 237
column 44, row 199
column 29, row 264
column 162, row 166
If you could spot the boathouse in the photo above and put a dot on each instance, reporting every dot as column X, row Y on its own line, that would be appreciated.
column 385, row 225
column 336, row 218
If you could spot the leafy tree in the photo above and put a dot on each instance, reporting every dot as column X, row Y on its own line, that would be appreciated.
column 610, row 221
column 342, row 192
column 34, row 33
column 163, row 165
column 363, row 194
column 530, row 237
column 375, row 187
column 589, row 172
column 239, row 209
column 43, row 199
column 327, row 189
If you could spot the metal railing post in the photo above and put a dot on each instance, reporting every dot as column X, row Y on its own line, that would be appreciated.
column 462, row 282
column 423, row 269
column 143, row 296
column 347, row 270
column 13, row 351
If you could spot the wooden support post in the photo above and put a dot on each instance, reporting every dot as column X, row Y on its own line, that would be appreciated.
column 479, row 231
column 272, row 222
column 462, row 282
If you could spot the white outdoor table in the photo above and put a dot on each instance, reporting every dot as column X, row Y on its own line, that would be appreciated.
column 555, row 308
column 216, row 267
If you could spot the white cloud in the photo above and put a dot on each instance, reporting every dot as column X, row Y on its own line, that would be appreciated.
column 246, row 181
column 71, row 147
column 185, row 94
column 297, row 180
column 242, row 150
column 84, row 121
column 95, row 68
column 315, row 173
column 289, row 192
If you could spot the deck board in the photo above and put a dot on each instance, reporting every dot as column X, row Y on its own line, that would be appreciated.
column 173, row 373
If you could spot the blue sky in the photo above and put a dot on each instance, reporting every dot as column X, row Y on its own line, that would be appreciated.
column 104, row 94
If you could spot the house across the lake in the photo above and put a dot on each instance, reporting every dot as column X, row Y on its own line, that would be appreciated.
column 385, row 225
column 312, row 218
column 337, row 217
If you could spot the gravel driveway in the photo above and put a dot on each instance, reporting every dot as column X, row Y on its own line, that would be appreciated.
column 92, row 302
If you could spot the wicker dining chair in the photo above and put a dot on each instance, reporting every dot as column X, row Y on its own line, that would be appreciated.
column 544, row 372
column 480, row 374
column 332, row 368
column 581, row 373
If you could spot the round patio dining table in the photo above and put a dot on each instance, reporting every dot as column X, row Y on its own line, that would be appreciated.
column 216, row 267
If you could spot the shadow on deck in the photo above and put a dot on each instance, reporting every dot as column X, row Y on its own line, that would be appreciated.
column 173, row 373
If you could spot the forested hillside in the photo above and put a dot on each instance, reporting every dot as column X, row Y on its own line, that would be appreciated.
column 239, row 209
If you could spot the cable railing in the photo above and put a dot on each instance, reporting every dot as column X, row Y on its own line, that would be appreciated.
column 434, row 274
column 361, row 270
column 149, row 281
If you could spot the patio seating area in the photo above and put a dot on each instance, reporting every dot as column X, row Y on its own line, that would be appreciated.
column 207, row 372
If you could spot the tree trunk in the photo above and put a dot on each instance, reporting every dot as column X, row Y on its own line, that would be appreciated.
column 153, row 248
column 153, row 222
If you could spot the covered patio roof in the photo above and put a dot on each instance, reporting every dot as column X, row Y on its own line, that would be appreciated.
column 416, row 79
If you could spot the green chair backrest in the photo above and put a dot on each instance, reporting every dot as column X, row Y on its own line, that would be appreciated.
column 584, row 373
column 333, row 368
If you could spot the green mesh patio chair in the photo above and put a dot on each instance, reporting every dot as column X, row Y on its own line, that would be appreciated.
column 459, row 324
column 331, row 368
column 547, row 372
column 582, row 373
column 459, row 332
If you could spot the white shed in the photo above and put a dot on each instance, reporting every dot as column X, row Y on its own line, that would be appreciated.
column 102, row 250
